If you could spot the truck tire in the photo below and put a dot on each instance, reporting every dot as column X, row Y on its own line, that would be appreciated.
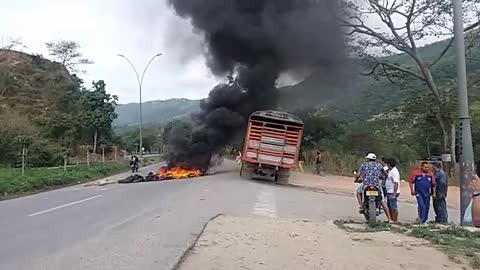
column 282, row 175
column 246, row 170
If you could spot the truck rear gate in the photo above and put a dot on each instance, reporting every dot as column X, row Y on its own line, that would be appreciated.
column 272, row 141
column 273, row 144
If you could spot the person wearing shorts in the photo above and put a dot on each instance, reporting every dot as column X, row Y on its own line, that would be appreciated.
column 392, row 185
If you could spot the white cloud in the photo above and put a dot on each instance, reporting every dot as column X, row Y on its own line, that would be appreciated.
column 106, row 28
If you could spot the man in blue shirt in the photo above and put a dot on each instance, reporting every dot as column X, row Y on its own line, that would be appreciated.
column 422, row 186
column 440, row 202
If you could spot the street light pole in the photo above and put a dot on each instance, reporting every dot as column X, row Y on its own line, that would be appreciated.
column 464, row 129
column 140, row 84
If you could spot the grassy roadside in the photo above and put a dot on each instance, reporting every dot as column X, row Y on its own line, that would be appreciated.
column 455, row 241
column 37, row 179
column 458, row 243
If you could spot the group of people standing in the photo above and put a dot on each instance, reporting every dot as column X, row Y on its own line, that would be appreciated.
column 424, row 184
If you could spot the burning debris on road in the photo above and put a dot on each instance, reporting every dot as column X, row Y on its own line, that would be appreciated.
column 178, row 173
column 175, row 173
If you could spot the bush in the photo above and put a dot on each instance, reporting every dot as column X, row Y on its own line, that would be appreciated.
column 335, row 162
column 341, row 163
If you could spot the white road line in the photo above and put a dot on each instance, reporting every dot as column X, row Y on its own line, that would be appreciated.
column 266, row 203
column 64, row 205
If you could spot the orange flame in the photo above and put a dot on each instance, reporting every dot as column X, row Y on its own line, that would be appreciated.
column 178, row 173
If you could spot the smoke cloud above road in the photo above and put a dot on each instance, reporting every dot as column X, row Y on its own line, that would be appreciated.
column 252, row 42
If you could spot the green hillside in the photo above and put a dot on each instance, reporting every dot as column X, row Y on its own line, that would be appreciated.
column 352, row 97
column 155, row 112
column 357, row 98
column 42, row 103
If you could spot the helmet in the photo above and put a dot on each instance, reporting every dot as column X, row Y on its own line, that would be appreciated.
column 371, row 156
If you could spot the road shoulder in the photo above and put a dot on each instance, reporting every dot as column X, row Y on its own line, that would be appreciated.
column 262, row 243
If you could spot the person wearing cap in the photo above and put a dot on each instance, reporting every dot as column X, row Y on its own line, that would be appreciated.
column 422, row 186
column 369, row 173
column 440, row 202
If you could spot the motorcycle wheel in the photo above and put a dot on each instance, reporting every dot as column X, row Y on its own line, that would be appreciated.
column 372, row 211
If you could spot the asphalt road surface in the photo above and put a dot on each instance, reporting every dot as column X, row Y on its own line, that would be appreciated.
column 147, row 225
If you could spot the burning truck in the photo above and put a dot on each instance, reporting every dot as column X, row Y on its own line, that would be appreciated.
column 272, row 146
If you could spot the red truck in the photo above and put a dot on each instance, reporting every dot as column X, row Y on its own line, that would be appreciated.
column 271, row 146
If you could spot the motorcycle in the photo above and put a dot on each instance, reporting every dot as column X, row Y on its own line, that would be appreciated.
column 372, row 207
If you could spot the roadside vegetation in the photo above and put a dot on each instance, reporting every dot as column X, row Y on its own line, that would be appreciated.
column 45, row 104
column 50, row 118
column 38, row 179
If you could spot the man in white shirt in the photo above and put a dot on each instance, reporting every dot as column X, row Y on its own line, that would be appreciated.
column 393, row 188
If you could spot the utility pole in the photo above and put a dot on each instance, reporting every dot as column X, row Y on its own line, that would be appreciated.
column 464, row 129
column 140, row 84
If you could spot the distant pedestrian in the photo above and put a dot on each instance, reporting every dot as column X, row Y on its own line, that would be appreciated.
column 392, row 185
column 440, row 200
column 301, row 160
column 238, row 158
column 319, row 163
column 422, row 186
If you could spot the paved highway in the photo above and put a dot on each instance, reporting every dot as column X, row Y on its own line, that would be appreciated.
column 146, row 225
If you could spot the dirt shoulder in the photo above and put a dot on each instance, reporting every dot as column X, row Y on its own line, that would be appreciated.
column 258, row 243
column 345, row 185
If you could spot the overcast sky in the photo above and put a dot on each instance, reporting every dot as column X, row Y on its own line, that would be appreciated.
column 137, row 29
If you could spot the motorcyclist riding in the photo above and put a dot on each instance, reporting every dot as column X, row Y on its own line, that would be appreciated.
column 369, row 175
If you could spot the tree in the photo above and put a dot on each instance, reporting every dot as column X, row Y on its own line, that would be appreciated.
column 401, row 28
column 99, row 110
column 68, row 54
column 24, row 142
column 12, row 42
column 152, row 140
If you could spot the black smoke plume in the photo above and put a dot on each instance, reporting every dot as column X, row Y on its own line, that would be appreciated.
column 252, row 42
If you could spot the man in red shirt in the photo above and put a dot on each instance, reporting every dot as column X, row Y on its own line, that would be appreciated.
column 422, row 185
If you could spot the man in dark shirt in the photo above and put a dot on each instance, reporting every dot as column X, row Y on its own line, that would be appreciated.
column 318, row 163
column 440, row 203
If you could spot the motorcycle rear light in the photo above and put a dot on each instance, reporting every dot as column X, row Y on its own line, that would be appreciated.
column 371, row 188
